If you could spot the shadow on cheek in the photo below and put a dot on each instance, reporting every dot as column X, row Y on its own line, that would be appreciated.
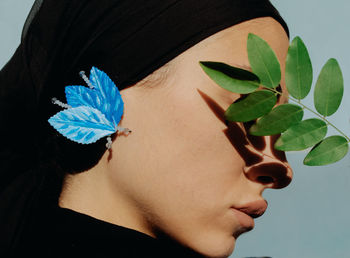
column 235, row 134
column 272, row 173
column 281, row 155
column 257, row 141
column 239, row 141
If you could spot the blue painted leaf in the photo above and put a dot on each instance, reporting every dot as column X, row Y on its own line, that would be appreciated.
column 82, row 96
column 82, row 124
column 112, row 105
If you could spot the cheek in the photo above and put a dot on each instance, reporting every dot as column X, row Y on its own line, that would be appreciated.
column 190, row 148
column 182, row 147
column 182, row 171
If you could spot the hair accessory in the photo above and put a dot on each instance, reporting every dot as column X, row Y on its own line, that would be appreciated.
column 91, row 113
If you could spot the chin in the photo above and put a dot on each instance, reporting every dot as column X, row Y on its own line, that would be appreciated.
column 216, row 247
column 219, row 252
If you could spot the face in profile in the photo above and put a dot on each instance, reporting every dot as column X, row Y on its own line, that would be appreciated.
column 184, row 170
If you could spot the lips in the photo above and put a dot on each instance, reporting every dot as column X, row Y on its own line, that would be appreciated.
column 246, row 213
column 253, row 209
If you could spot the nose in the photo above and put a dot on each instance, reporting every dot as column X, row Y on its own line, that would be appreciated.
column 272, row 170
column 263, row 163
column 270, row 173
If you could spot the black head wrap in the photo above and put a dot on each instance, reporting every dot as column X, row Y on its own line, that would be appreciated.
column 128, row 39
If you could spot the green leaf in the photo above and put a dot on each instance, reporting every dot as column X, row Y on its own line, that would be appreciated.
column 231, row 78
column 302, row 135
column 253, row 106
column 298, row 69
column 278, row 120
column 263, row 61
column 330, row 150
column 329, row 88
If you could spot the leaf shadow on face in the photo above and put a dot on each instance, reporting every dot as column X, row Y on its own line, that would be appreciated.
column 236, row 134
column 239, row 138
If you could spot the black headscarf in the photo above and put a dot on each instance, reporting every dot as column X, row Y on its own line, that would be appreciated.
column 128, row 39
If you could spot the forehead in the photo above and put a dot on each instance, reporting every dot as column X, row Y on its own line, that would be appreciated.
column 228, row 46
column 268, row 29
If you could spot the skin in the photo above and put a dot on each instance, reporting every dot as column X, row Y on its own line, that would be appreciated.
column 182, row 167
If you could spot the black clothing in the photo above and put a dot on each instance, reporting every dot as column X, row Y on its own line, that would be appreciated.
column 128, row 39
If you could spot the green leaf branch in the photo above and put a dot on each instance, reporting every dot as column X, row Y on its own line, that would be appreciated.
column 286, row 119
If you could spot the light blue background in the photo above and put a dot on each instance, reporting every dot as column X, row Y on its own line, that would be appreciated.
column 308, row 219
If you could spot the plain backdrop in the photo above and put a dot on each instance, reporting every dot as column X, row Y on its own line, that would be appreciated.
column 308, row 219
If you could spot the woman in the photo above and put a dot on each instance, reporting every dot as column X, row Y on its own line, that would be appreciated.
column 184, row 182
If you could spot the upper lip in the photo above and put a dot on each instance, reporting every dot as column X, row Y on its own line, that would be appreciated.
column 254, row 209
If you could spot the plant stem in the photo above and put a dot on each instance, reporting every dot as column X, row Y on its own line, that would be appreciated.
column 317, row 114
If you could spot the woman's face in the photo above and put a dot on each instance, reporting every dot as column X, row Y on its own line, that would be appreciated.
column 182, row 168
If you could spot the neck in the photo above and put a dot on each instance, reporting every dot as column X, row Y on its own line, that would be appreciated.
column 91, row 193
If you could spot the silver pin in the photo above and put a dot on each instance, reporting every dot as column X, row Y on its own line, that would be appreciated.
column 86, row 79
column 124, row 130
column 60, row 103
column 109, row 142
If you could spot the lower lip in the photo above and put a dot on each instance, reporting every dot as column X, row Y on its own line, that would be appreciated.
column 244, row 220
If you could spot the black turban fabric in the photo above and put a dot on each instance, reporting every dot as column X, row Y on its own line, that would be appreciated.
column 128, row 39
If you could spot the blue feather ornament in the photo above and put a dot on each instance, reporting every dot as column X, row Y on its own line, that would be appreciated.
column 91, row 113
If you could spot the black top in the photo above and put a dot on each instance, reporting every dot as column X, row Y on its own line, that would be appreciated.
column 71, row 234
column 48, row 230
